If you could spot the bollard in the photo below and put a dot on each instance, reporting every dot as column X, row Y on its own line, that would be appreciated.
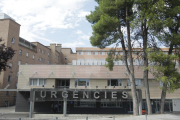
column 87, row 118
column 113, row 117
column 146, row 116
column 19, row 118
column 56, row 118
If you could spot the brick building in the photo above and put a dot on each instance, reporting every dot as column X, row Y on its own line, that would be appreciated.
column 26, row 53
column 45, row 73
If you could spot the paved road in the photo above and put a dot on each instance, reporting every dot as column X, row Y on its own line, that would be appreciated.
column 9, row 113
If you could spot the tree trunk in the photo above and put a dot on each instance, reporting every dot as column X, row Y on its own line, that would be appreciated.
column 131, row 74
column 163, row 97
column 145, row 76
column 147, row 93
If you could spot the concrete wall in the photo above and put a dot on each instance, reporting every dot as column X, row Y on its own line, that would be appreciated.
column 176, row 105
column 98, row 78
column 67, row 53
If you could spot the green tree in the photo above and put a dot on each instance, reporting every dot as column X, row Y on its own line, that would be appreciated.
column 6, row 53
column 164, row 71
column 108, row 20
column 165, row 23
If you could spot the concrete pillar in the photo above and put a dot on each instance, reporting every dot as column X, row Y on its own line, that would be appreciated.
column 140, row 101
column 65, row 107
column 32, row 94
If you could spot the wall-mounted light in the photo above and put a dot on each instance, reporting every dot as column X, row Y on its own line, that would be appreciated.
column 35, row 72
column 96, row 87
column 105, row 87
column 53, row 86
column 51, row 72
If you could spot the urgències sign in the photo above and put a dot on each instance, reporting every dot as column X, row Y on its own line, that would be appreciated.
column 70, row 95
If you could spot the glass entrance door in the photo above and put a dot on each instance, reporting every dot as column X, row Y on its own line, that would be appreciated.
column 130, row 107
column 60, row 106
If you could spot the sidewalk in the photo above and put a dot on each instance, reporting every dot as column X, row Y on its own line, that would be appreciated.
column 9, row 113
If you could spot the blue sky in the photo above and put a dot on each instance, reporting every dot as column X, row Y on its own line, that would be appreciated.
column 52, row 21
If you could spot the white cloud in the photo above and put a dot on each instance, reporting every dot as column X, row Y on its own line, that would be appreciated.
column 78, row 32
column 82, row 36
column 36, row 16
column 85, row 37
column 73, row 45
column 83, row 13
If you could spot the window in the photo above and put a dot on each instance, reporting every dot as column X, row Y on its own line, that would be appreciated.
column 121, row 53
column 7, row 92
column 39, row 59
column 108, row 53
column 80, row 59
column 39, row 50
column 88, row 59
column 111, row 104
column 9, row 78
column 65, row 58
column 13, row 40
column 10, row 65
column 138, row 82
column 48, row 54
column 20, row 52
column 168, row 84
column 19, row 62
column 37, row 82
column 42, row 82
column 114, row 82
column 102, row 53
column 116, row 53
column 42, row 51
column 165, row 52
column 102, row 59
column 128, row 83
column 88, row 53
column 33, row 57
column 80, row 53
column 135, row 53
column 48, row 62
column 56, row 56
column 95, row 59
column 95, row 53
column 81, row 82
column 27, row 54
column 85, row 103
